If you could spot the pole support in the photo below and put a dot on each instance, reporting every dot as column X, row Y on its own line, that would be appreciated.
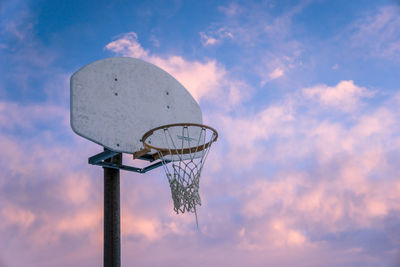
column 112, row 215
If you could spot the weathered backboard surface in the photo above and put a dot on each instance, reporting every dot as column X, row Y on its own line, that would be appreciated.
column 114, row 101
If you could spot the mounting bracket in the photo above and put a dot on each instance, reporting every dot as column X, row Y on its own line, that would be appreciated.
column 99, row 159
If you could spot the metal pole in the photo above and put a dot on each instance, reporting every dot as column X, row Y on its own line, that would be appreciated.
column 112, row 227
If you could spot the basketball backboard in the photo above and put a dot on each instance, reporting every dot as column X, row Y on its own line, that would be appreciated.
column 114, row 101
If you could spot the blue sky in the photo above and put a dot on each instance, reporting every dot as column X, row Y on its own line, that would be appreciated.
column 304, row 94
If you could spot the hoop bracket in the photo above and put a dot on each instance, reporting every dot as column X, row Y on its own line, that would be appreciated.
column 99, row 159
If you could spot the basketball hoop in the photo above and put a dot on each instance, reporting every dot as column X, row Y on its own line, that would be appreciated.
column 106, row 96
column 186, row 146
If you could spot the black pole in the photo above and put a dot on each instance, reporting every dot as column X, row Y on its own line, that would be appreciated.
column 112, row 226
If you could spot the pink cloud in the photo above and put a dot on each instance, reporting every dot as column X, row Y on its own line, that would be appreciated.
column 280, row 211
column 207, row 40
column 329, row 178
column 214, row 37
column 345, row 96
column 231, row 10
column 350, row 186
column 204, row 80
column 149, row 228
column 75, row 188
column 382, row 25
column 276, row 73
column 13, row 215
column 244, row 134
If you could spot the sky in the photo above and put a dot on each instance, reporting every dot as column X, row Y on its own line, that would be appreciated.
column 305, row 97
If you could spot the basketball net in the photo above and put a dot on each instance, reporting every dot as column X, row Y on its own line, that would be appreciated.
column 183, row 160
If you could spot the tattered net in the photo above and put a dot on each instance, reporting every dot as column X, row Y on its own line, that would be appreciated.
column 183, row 149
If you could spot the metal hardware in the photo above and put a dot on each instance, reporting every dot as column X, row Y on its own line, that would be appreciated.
column 100, row 160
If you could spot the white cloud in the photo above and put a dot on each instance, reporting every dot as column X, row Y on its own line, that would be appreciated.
column 245, row 135
column 276, row 65
column 14, row 115
column 346, row 186
column 326, row 177
column 207, row 40
column 345, row 96
column 155, row 41
column 265, row 39
column 257, row 25
column 378, row 34
column 346, row 182
column 276, row 73
column 289, row 209
column 13, row 215
column 128, row 45
column 75, row 188
column 204, row 80
column 339, row 194
column 20, row 26
column 215, row 37
column 272, row 234
column 231, row 10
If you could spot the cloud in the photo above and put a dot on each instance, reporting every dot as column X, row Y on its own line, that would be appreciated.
column 272, row 234
column 75, row 188
column 294, row 129
column 14, row 115
column 13, row 215
column 142, row 227
column 245, row 135
column 345, row 96
column 19, row 26
column 276, row 73
column 128, row 45
column 149, row 229
column 378, row 34
column 76, row 223
column 325, row 176
column 231, row 10
column 264, row 39
column 281, row 62
column 215, row 37
column 51, row 199
column 204, row 80
column 207, row 40
column 28, row 60
column 288, row 180
column 255, row 25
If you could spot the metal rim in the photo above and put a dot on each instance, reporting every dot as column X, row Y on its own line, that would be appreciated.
column 167, row 151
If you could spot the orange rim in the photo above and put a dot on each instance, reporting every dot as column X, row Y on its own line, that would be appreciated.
column 167, row 151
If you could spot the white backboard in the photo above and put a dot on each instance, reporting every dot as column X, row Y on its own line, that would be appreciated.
column 114, row 101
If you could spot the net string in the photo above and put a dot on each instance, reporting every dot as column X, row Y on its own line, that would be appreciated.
column 184, row 175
